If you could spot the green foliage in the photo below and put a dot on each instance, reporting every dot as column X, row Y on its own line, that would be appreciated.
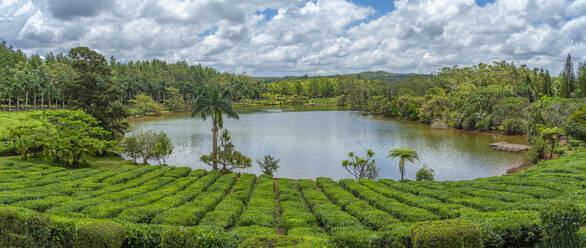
column 507, row 228
column 245, row 232
column 403, row 154
column 360, row 167
column 514, row 126
column 142, row 236
column 148, row 145
column 204, row 237
column 61, row 134
column 552, row 136
column 424, row 174
column 227, row 156
column 576, row 125
column 567, row 78
column 537, row 150
column 447, row 233
column 98, row 235
column 209, row 210
column 279, row 241
column 354, row 238
column 215, row 102
column 93, row 91
column 397, row 235
column 561, row 222
column 144, row 105
column 268, row 165
column 174, row 100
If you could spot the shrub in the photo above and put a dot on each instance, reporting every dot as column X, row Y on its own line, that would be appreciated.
column 274, row 241
column 560, row 223
column 397, row 235
column 200, row 237
column 537, row 150
column 514, row 126
column 245, row 232
column 142, row 235
column 507, row 228
column 38, row 229
column 10, row 224
column 268, row 165
column 424, row 174
column 576, row 125
column 100, row 235
column 352, row 237
column 447, row 233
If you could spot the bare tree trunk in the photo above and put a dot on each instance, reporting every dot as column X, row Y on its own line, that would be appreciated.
column 9, row 103
column 17, row 102
column 215, row 145
column 35, row 100
column 26, row 101
column 43, row 102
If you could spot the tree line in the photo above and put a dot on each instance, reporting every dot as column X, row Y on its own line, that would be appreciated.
column 498, row 97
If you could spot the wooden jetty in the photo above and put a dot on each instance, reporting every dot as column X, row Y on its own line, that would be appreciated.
column 506, row 146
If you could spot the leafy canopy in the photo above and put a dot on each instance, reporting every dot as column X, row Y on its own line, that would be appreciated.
column 361, row 167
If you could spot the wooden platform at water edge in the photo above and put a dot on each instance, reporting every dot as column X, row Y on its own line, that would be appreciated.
column 506, row 146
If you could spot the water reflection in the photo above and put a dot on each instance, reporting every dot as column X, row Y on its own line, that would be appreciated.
column 313, row 143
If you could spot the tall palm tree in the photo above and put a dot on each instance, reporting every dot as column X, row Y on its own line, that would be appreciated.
column 404, row 154
column 214, row 102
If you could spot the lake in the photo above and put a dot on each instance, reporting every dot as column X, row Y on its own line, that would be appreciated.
column 313, row 142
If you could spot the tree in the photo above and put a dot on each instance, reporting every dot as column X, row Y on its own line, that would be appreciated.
column 582, row 79
column 268, row 165
column 148, row 145
column 404, row 154
column 547, row 84
column 174, row 100
column 163, row 148
column 567, row 78
column 227, row 156
column 214, row 102
column 131, row 147
column 425, row 174
column 61, row 134
column 145, row 105
column 360, row 167
column 551, row 136
column 576, row 125
column 93, row 91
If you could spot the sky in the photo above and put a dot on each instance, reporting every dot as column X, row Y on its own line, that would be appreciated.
column 297, row 37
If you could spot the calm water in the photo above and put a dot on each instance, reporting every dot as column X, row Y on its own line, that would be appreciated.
column 313, row 143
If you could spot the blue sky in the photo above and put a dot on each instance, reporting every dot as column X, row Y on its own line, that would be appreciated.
column 297, row 37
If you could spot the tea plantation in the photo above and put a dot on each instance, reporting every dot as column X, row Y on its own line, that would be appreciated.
column 152, row 206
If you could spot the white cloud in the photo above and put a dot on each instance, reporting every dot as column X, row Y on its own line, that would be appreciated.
column 308, row 36
column 6, row 3
column 28, row 6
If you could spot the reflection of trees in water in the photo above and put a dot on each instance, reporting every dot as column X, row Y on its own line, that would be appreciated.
column 313, row 144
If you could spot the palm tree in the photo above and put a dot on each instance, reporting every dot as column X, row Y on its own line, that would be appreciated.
column 214, row 102
column 404, row 154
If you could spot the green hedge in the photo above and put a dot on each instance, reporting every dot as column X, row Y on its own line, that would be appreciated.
column 100, row 235
column 200, row 237
column 561, row 223
column 279, row 241
column 446, row 233
column 354, row 237
column 507, row 228
column 23, row 228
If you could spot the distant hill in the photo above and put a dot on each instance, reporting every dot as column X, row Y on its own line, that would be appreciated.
column 372, row 75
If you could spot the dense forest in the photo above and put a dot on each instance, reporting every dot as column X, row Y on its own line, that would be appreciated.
column 498, row 97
